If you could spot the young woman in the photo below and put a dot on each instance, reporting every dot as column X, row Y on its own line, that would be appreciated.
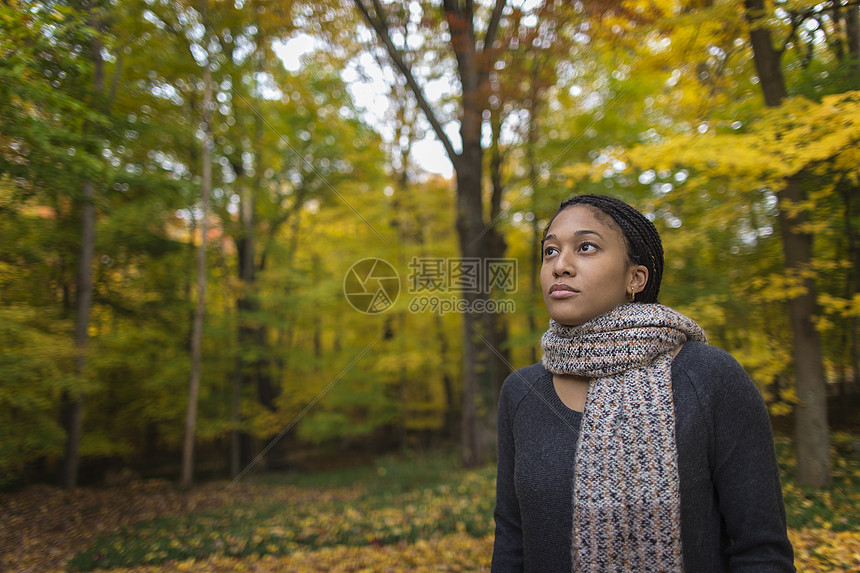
column 633, row 445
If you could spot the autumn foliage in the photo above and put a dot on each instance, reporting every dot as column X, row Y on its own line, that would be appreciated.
column 415, row 513
column 657, row 102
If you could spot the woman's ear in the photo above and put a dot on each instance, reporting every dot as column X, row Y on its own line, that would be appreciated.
column 638, row 279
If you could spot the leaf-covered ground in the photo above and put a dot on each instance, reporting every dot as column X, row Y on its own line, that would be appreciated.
column 395, row 515
column 43, row 527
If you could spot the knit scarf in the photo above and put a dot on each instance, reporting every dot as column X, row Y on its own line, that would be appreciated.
column 626, row 494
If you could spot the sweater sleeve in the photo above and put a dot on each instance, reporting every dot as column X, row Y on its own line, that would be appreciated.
column 508, row 545
column 746, row 475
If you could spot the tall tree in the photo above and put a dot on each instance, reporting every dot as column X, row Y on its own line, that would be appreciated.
column 200, row 309
column 811, row 429
column 74, row 401
column 475, row 54
column 251, row 74
column 708, row 32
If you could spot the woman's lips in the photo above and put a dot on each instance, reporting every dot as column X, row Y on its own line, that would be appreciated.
column 560, row 290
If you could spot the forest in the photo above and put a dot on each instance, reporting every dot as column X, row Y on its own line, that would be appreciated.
column 224, row 250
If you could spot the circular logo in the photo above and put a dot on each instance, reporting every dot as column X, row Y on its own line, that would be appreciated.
column 371, row 286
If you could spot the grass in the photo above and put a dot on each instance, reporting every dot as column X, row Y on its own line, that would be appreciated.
column 402, row 501
column 390, row 473
column 394, row 500
column 834, row 507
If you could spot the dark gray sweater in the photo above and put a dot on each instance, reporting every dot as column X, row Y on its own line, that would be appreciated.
column 732, row 513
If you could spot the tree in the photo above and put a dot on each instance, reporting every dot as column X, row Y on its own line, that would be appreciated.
column 699, row 46
column 66, row 40
column 477, row 239
column 811, row 430
column 200, row 309
column 74, row 407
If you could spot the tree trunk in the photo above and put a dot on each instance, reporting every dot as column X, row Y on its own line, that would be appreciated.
column 267, row 387
column 477, row 239
column 245, row 304
column 811, row 429
column 852, row 32
column 849, row 192
column 470, row 226
column 200, row 310
column 73, row 415
column 74, row 404
column 836, row 41
column 767, row 59
column 452, row 414
column 477, row 436
column 534, row 256
column 495, row 325
column 235, row 419
column 473, row 66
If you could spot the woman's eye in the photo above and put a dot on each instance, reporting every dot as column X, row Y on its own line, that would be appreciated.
column 549, row 250
column 587, row 247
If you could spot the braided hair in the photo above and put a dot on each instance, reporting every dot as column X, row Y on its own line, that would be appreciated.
column 641, row 237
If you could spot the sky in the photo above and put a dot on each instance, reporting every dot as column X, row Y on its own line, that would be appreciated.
column 370, row 96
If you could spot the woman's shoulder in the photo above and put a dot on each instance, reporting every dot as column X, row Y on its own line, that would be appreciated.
column 522, row 381
column 528, row 373
column 710, row 370
column 704, row 357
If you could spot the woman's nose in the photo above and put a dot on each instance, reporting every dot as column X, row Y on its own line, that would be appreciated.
column 563, row 265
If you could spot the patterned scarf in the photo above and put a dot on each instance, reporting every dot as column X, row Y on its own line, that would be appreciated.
column 626, row 496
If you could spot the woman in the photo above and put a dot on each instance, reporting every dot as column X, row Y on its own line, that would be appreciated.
column 633, row 445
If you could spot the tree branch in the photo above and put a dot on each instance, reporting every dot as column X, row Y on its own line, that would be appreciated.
column 792, row 34
column 493, row 26
column 378, row 23
column 799, row 18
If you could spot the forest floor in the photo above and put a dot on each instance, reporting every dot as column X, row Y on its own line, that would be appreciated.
column 416, row 512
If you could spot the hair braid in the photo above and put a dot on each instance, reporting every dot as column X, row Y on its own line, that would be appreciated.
column 643, row 241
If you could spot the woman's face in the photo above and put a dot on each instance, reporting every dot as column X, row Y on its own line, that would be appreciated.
column 585, row 270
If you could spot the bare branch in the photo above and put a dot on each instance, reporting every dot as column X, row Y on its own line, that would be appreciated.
column 796, row 21
column 493, row 26
column 378, row 23
column 798, row 18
